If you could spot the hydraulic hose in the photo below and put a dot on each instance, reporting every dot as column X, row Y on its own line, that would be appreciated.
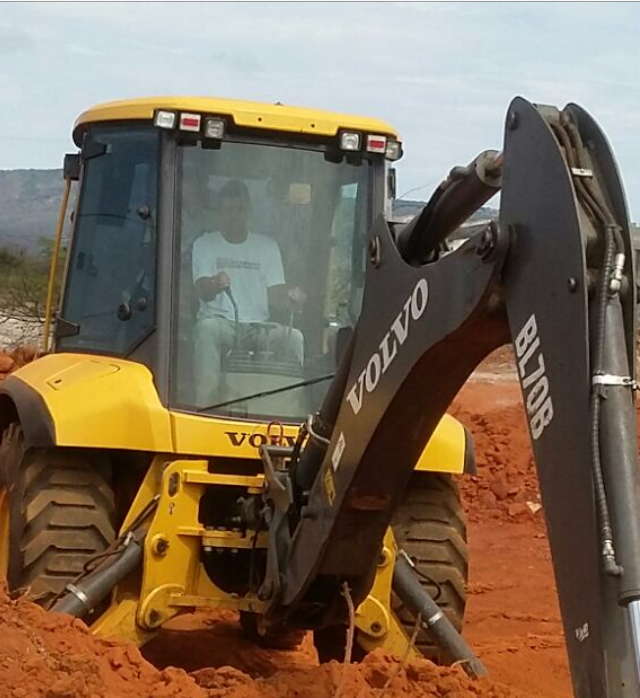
column 606, row 532
column 569, row 137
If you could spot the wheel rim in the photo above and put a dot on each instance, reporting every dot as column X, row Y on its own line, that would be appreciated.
column 4, row 532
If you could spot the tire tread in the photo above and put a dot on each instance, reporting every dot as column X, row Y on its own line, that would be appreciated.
column 430, row 526
column 63, row 508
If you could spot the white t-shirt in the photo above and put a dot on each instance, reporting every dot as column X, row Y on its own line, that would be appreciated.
column 253, row 266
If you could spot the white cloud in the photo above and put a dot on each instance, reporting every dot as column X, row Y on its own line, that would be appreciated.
column 13, row 39
column 442, row 73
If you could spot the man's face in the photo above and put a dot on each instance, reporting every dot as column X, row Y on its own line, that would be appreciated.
column 233, row 216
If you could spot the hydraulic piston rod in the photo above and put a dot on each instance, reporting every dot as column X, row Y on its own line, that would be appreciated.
column 618, row 444
column 408, row 588
column 88, row 593
column 460, row 195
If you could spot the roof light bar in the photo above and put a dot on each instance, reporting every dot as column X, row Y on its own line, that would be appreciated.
column 393, row 150
column 165, row 119
column 190, row 122
column 214, row 127
column 376, row 144
column 350, row 141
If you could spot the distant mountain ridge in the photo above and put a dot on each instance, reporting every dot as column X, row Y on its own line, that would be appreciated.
column 405, row 209
column 30, row 200
column 29, row 204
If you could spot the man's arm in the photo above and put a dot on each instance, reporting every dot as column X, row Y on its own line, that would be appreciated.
column 280, row 296
column 208, row 287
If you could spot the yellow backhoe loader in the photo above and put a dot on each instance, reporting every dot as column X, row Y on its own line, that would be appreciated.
column 128, row 398
column 243, row 400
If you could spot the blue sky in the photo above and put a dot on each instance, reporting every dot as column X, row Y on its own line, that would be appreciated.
column 442, row 73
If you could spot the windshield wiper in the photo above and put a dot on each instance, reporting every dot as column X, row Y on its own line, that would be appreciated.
column 265, row 393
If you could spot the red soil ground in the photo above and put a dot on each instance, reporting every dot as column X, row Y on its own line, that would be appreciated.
column 512, row 621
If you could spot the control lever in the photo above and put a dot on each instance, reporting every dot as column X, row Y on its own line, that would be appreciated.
column 295, row 307
column 236, row 315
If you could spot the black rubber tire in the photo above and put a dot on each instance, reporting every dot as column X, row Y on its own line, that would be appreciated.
column 430, row 527
column 61, row 513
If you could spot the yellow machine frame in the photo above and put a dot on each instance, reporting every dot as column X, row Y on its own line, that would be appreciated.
column 99, row 402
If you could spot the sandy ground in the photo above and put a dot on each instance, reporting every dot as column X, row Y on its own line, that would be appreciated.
column 512, row 621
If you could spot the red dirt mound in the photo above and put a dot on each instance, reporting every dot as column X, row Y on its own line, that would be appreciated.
column 10, row 361
column 378, row 675
column 506, row 486
column 46, row 655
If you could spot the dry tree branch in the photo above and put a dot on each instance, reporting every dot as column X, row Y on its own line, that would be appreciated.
column 405, row 657
column 351, row 630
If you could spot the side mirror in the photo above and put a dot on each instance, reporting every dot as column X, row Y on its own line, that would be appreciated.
column 71, row 167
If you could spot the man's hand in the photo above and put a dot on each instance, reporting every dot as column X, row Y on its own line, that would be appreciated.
column 209, row 287
column 222, row 280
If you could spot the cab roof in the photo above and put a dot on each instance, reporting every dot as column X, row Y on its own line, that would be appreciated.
column 274, row 117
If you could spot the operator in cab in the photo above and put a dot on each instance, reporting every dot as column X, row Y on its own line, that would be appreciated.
column 235, row 267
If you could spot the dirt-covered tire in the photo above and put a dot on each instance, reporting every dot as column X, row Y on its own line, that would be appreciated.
column 59, row 507
column 430, row 527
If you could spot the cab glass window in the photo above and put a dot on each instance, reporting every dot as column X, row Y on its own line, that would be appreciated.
column 271, row 249
column 108, row 304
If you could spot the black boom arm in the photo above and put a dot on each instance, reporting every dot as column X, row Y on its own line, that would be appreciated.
column 556, row 278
